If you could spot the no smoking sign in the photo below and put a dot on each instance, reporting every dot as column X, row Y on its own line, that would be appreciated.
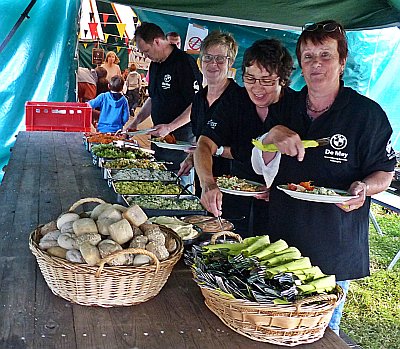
column 194, row 43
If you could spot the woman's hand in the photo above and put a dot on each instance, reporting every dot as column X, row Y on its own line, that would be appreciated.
column 263, row 196
column 211, row 199
column 356, row 188
column 186, row 166
column 287, row 141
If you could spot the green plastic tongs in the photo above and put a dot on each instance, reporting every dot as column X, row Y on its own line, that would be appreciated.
column 307, row 144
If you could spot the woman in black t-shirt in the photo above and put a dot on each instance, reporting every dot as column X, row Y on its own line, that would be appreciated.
column 217, row 54
column 266, row 69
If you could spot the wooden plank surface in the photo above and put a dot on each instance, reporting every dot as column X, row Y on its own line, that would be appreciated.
column 47, row 173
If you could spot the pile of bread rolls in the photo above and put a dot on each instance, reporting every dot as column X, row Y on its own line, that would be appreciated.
column 89, row 237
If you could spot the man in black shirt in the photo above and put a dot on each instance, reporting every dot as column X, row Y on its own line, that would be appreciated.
column 174, row 79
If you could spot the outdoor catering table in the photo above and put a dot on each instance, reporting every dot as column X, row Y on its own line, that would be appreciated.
column 47, row 172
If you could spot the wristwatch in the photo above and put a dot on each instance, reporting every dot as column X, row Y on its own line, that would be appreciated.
column 219, row 151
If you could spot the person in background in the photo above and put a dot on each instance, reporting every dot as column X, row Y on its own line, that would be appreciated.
column 114, row 109
column 358, row 159
column 125, row 74
column 102, row 82
column 217, row 54
column 174, row 39
column 111, row 65
column 101, row 87
column 133, row 84
column 87, row 80
column 239, row 118
column 174, row 80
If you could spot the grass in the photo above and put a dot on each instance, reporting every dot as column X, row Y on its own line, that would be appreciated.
column 372, row 309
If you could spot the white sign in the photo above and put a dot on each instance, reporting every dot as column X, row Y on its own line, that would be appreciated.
column 194, row 37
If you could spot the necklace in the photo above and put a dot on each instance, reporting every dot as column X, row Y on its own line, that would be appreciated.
column 308, row 105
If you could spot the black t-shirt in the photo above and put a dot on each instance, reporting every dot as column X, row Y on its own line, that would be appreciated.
column 202, row 112
column 334, row 240
column 172, row 87
column 235, row 123
column 200, row 115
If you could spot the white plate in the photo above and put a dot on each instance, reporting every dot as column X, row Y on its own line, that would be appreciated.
column 328, row 199
column 140, row 132
column 242, row 192
column 176, row 146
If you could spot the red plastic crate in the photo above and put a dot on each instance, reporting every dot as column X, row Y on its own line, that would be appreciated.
column 58, row 116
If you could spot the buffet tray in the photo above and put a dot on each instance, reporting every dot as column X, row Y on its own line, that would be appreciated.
column 120, row 199
column 152, row 212
column 109, row 172
column 99, row 161
column 112, row 174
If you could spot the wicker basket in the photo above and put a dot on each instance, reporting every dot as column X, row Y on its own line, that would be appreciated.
column 104, row 286
column 299, row 323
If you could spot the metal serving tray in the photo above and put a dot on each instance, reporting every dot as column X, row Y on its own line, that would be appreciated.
column 111, row 177
column 151, row 212
column 120, row 199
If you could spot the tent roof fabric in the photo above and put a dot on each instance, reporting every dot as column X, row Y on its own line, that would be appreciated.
column 280, row 14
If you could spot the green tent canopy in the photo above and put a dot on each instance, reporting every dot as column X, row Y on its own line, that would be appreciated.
column 281, row 14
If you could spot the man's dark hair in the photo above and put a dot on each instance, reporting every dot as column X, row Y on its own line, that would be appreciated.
column 173, row 34
column 271, row 55
column 148, row 32
column 116, row 83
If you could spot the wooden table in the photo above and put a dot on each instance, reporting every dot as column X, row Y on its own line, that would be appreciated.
column 47, row 172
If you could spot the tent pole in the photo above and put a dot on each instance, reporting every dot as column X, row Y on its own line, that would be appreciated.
column 16, row 25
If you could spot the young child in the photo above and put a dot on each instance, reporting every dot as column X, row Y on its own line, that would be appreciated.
column 133, row 84
column 114, row 109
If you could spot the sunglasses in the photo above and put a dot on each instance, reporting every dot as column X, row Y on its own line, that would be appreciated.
column 206, row 58
column 327, row 27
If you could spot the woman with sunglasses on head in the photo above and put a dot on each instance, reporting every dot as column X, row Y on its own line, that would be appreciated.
column 239, row 118
column 358, row 159
column 217, row 54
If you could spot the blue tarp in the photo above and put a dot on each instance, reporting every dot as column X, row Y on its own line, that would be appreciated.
column 39, row 62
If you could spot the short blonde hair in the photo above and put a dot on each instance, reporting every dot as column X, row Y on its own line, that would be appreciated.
column 109, row 53
column 220, row 38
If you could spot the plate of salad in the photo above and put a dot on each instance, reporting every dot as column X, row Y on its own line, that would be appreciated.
column 307, row 191
column 237, row 186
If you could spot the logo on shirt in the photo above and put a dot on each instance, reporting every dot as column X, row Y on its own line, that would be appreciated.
column 212, row 124
column 338, row 142
column 196, row 86
column 390, row 153
column 166, row 83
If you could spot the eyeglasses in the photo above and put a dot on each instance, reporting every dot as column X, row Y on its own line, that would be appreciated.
column 327, row 27
column 217, row 58
column 248, row 79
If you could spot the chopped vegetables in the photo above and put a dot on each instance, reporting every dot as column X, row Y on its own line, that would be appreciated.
column 258, row 270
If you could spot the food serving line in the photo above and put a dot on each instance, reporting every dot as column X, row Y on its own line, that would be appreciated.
column 47, row 173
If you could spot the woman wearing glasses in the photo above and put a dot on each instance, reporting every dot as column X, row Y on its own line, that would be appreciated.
column 239, row 118
column 358, row 159
column 217, row 54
